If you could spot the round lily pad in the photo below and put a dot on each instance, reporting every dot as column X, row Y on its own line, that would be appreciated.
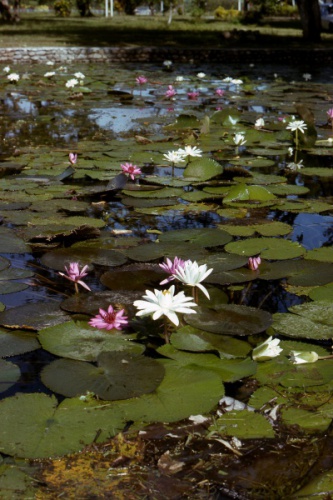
column 17, row 342
column 33, row 316
column 57, row 259
column 268, row 248
column 118, row 375
column 205, row 237
column 10, row 374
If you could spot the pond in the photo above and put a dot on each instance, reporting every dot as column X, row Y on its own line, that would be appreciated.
column 215, row 181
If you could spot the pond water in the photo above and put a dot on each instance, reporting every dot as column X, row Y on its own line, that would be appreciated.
column 256, row 182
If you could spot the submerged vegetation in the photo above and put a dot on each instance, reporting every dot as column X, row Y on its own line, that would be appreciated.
column 166, row 281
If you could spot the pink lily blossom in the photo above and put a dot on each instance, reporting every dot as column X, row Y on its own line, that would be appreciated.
column 141, row 80
column 109, row 320
column 171, row 268
column 254, row 263
column 171, row 92
column 193, row 96
column 219, row 92
column 330, row 113
column 72, row 158
column 75, row 274
column 131, row 170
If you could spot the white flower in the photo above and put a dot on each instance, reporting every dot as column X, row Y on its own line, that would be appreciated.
column 301, row 357
column 198, row 419
column 6, row 69
column 165, row 302
column 297, row 125
column 50, row 63
column 13, row 77
column 189, row 151
column 192, row 274
column 290, row 151
column 267, row 350
column 49, row 74
column 227, row 79
column 174, row 157
column 239, row 139
column 295, row 166
column 71, row 83
column 259, row 123
column 307, row 76
column 167, row 63
column 79, row 75
column 235, row 81
column 201, row 75
column 179, row 78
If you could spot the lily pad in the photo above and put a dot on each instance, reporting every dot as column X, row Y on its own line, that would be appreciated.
column 203, row 169
column 10, row 374
column 33, row 316
column 243, row 192
column 243, row 424
column 268, row 248
column 57, row 259
column 205, row 237
column 17, row 342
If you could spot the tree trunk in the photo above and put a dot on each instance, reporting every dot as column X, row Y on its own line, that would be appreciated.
column 6, row 12
column 310, row 18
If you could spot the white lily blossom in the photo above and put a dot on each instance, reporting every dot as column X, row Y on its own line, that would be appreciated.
column 174, row 157
column 6, row 69
column 236, row 81
column 179, row 78
column 239, row 139
column 267, row 350
column 297, row 125
column 302, row 357
column 71, row 83
column 307, row 76
column 79, row 75
column 190, row 151
column 165, row 302
column 295, row 166
column 192, row 274
column 201, row 75
column 227, row 79
column 49, row 74
column 13, row 77
column 259, row 123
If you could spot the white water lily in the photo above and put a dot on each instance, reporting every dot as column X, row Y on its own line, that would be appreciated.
column 71, row 83
column 201, row 75
column 79, row 75
column 295, row 166
column 165, row 302
column 302, row 357
column 174, row 157
column 236, row 81
column 13, row 77
column 189, row 151
column 307, row 76
column 267, row 350
column 179, row 78
column 192, row 274
column 6, row 69
column 297, row 125
column 239, row 139
column 227, row 79
column 49, row 74
column 259, row 123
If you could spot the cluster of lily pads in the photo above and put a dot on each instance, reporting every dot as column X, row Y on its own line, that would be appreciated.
column 229, row 175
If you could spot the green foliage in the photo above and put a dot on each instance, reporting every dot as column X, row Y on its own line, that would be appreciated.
column 62, row 8
column 231, row 15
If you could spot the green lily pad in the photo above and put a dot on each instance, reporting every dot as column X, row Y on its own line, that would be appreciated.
column 15, row 483
column 324, row 254
column 269, row 248
column 32, row 316
column 79, row 341
column 118, row 375
column 10, row 243
column 322, row 293
column 243, row 424
column 57, row 259
column 309, row 421
column 205, row 237
column 243, row 192
column 17, row 342
column 203, row 169
column 10, row 374
column 230, row 319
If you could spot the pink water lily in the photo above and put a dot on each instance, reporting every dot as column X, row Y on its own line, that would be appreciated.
column 219, row 92
column 254, row 263
column 330, row 113
column 171, row 92
column 72, row 158
column 75, row 274
column 131, row 170
column 193, row 96
column 171, row 268
column 141, row 80
column 109, row 320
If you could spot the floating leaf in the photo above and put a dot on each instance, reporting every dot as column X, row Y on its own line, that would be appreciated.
column 268, row 248
column 205, row 237
column 245, row 193
column 309, row 421
column 17, row 342
column 243, row 424
column 10, row 374
column 33, row 316
column 203, row 169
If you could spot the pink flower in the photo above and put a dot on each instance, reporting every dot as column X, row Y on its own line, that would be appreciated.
column 131, row 170
column 72, row 158
column 74, row 273
column 254, row 263
column 219, row 92
column 171, row 268
column 141, row 80
column 171, row 92
column 330, row 113
column 193, row 96
column 109, row 320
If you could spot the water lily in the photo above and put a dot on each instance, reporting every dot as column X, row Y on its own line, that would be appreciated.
column 179, row 78
column 109, row 320
column 165, row 303
column 141, row 80
column 174, row 157
column 167, row 64
column 72, row 158
column 190, row 151
column 13, row 77
column 171, row 92
column 294, row 165
column 49, row 74
column 301, row 357
column 330, row 113
column 171, row 267
column 131, row 170
column 6, row 69
column 307, row 76
column 254, row 263
column 192, row 275
column 219, row 92
column 259, row 123
column 75, row 274
column 79, row 75
column 239, row 139
column 201, row 75
column 71, row 83
column 267, row 350
column 296, row 125
column 193, row 96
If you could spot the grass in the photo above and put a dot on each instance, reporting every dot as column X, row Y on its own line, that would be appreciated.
column 46, row 30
